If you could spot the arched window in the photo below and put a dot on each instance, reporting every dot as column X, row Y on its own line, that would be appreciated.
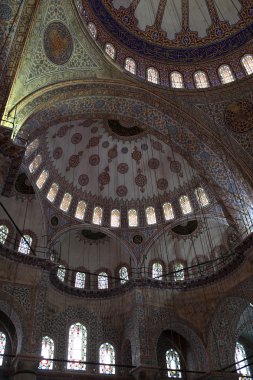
column 47, row 352
column 201, row 196
column 226, row 75
column 42, row 179
column 65, row 203
column 123, row 274
column 173, row 364
column 51, row 195
column 80, row 280
column 150, row 215
column 2, row 346
column 153, row 75
column 97, row 215
column 241, row 363
column 25, row 244
column 3, row 233
column 61, row 273
column 157, row 271
column 80, row 210
column 107, row 359
column 115, row 218
column 35, row 164
column 200, row 79
column 132, row 218
column 103, row 280
column 31, row 147
column 185, row 204
column 110, row 50
column 178, row 272
column 77, row 347
column 168, row 211
column 176, row 80
column 92, row 29
column 130, row 65
column 247, row 62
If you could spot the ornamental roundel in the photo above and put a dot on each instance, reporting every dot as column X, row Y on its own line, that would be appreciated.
column 153, row 163
column 122, row 168
column 105, row 144
column 94, row 160
column 5, row 12
column 58, row 43
column 175, row 166
column 239, row 116
column 141, row 180
column 93, row 141
column 124, row 150
column 57, row 153
column 94, row 129
column 121, row 191
column 83, row 179
column 162, row 184
column 76, row 138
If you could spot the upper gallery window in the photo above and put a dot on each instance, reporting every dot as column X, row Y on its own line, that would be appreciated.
column 25, row 244
column 150, row 215
column 103, row 280
column 153, row 75
column 173, row 364
column 130, row 65
column 157, row 271
column 241, row 362
column 226, row 75
column 132, row 218
column 3, row 233
column 92, row 29
column 2, row 346
column 247, row 62
column 65, row 203
column 51, row 195
column 110, row 50
column 185, row 204
column 61, row 272
column 77, row 347
column 97, row 215
column 168, row 211
column 107, row 359
column 35, row 163
column 42, row 179
column 32, row 147
column 178, row 272
column 80, row 280
column 123, row 274
column 176, row 80
column 80, row 210
column 201, row 196
column 200, row 79
column 47, row 352
column 115, row 218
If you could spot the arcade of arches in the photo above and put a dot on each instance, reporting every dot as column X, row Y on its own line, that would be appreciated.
column 126, row 178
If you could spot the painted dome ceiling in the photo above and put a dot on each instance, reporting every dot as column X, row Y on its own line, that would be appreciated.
column 176, row 29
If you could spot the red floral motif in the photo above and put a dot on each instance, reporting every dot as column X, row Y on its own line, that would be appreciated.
column 141, row 180
column 162, row 184
column 94, row 160
column 62, row 131
column 104, row 178
column 93, row 141
column 153, row 163
column 76, row 138
column 74, row 161
column 83, row 179
column 136, row 155
column 112, row 153
column 122, row 168
column 175, row 166
column 157, row 145
column 121, row 191
column 57, row 153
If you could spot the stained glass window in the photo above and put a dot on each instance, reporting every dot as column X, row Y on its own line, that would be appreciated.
column 157, row 271
column 176, row 80
column 103, row 280
column 178, row 272
column 47, row 352
column 61, row 273
column 200, row 79
column 42, row 179
column 25, row 244
column 77, row 347
column 51, row 195
column 80, row 210
column 152, row 75
column 107, row 359
column 115, row 218
column 92, row 29
column 35, row 164
column 173, row 364
column 110, row 50
column 226, row 75
column 241, row 362
column 150, row 215
column 132, row 218
column 2, row 346
column 65, row 203
column 185, row 204
column 3, row 234
column 130, row 65
column 123, row 274
column 201, row 196
column 97, row 215
column 168, row 211
column 31, row 147
column 80, row 280
column 247, row 62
